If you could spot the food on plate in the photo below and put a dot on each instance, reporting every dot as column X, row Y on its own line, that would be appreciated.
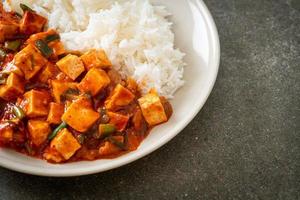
column 66, row 106
column 135, row 35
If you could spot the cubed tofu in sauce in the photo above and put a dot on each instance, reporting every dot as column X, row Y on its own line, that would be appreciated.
column 71, row 65
column 38, row 130
column 32, row 23
column 66, row 106
column 120, row 97
column 60, row 87
column 119, row 120
column 80, row 115
column 6, row 133
column 94, row 81
column 96, row 58
column 29, row 60
column 36, row 103
column 65, row 143
column 55, row 113
column 13, row 88
column 152, row 109
column 7, row 30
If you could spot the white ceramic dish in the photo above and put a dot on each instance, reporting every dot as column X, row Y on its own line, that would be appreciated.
column 197, row 36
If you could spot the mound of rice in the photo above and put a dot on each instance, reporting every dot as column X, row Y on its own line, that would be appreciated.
column 136, row 36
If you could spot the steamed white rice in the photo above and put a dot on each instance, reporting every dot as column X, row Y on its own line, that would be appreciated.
column 136, row 36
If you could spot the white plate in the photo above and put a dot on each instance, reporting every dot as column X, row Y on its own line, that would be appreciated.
column 197, row 36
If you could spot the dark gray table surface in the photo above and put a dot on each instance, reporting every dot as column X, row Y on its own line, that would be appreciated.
column 244, row 144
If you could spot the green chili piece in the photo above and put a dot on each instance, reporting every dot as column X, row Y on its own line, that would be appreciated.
column 51, row 38
column 54, row 133
column 12, row 45
column 44, row 48
column 121, row 145
column 18, row 112
column 25, row 8
column 106, row 130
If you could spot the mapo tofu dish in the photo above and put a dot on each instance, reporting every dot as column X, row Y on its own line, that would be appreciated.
column 67, row 106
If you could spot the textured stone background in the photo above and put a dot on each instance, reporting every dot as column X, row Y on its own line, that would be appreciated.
column 245, row 142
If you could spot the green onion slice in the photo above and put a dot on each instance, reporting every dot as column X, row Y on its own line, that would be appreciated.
column 44, row 48
column 60, row 127
column 51, row 38
column 25, row 8
column 121, row 145
column 106, row 130
column 18, row 112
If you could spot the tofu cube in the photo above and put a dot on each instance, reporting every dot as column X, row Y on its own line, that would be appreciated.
column 109, row 149
column 40, row 36
column 152, row 109
column 120, row 121
column 56, row 45
column 32, row 23
column 59, row 87
column 65, row 143
column 6, row 134
column 39, row 131
column 13, row 88
column 47, row 73
column 95, row 58
column 55, row 113
column 80, row 115
column 36, row 103
column 58, row 48
column 29, row 61
column 7, row 30
column 71, row 65
column 10, row 67
column 120, row 96
column 94, row 81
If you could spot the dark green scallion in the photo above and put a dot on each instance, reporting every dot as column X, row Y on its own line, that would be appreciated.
column 44, row 48
column 54, row 133
column 25, row 8
column 51, row 38
column 121, row 145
